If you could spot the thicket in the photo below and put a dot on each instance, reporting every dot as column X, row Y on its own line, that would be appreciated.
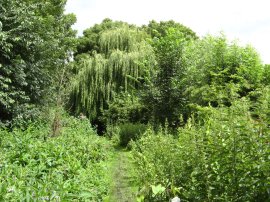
column 223, row 156
column 205, row 102
column 37, row 167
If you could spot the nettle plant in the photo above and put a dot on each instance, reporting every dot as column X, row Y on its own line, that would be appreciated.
column 223, row 157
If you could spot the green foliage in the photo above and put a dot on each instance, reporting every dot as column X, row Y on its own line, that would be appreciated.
column 126, row 107
column 125, row 60
column 165, row 97
column 125, row 77
column 159, row 29
column 229, row 154
column 35, row 40
column 156, row 162
column 224, row 159
column 90, row 41
column 261, row 107
column 123, row 38
column 214, row 65
column 65, row 168
column 266, row 74
column 130, row 131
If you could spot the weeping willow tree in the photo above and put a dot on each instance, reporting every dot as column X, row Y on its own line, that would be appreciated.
column 124, row 39
column 126, row 60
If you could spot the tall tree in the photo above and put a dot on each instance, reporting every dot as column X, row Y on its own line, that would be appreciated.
column 165, row 96
column 36, row 39
column 90, row 41
column 123, row 63
column 218, row 69
column 159, row 29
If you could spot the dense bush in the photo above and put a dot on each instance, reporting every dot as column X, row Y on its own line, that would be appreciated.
column 64, row 168
column 225, row 158
column 156, row 162
column 126, row 107
column 130, row 131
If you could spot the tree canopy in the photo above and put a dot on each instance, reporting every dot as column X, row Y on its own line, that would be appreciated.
column 90, row 41
column 36, row 39
column 160, row 29
column 122, row 64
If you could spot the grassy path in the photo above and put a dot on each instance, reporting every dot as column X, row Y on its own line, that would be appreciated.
column 123, row 186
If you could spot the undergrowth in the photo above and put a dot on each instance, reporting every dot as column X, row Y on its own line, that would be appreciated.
column 69, row 167
column 223, row 158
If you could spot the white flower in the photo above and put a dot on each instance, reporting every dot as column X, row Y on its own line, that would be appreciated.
column 175, row 199
column 11, row 189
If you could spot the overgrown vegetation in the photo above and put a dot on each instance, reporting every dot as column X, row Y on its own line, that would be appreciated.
column 222, row 157
column 193, row 111
column 72, row 166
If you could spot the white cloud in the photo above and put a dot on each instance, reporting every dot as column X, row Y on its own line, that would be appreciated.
column 247, row 20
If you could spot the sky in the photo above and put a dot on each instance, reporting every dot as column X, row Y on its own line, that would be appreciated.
column 245, row 20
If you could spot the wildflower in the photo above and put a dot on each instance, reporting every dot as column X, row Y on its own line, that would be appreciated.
column 11, row 189
column 175, row 199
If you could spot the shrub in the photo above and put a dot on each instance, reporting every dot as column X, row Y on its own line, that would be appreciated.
column 130, row 131
column 126, row 107
column 223, row 159
column 156, row 159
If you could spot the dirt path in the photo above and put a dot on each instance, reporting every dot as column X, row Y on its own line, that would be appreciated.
column 123, row 186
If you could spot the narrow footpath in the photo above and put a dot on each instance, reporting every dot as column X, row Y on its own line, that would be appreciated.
column 123, row 184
